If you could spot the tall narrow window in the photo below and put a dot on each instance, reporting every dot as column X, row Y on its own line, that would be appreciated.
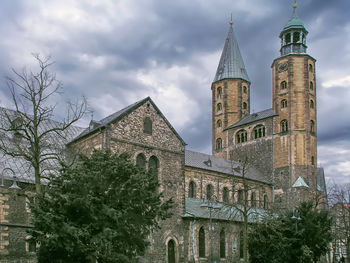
column 241, row 244
column 296, row 37
column 240, row 196
column 244, row 105
column 219, row 107
column 201, row 243
column 153, row 165
column 312, row 160
column 266, row 202
column 210, row 191
column 284, row 126
column 312, row 105
column 283, row 84
column 147, row 126
column 225, row 195
column 192, row 190
column 219, row 92
column 311, row 68
column 311, row 85
column 222, row 244
column 312, row 126
column 218, row 124
column 245, row 89
column 171, row 251
column 141, row 160
column 218, row 144
column 284, row 104
column 253, row 199
column 288, row 38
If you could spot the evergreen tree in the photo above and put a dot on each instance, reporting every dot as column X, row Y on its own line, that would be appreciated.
column 102, row 209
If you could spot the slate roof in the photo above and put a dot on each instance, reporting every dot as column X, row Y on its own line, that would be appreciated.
column 221, row 165
column 321, row 181
column 253, row 117
column 11, row 166
column 226, row 212
column 231, row 63
column 119, row 115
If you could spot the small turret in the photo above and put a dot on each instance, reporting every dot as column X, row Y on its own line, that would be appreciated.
column 293, row 36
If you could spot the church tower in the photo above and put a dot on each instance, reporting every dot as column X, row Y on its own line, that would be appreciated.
column 294, row 100
column 230, row 93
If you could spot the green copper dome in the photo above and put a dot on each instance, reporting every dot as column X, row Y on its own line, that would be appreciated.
column 294, row 22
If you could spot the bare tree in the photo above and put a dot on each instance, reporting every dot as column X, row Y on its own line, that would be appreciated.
column 246, row 194
column 24, row 131
column 339, row 198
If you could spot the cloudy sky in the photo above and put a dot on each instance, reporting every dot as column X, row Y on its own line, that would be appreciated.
column 116, row 52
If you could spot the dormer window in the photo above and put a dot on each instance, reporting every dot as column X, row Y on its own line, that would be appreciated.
column 147, row 126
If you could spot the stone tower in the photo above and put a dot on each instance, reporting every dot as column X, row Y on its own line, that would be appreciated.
column 230, row 93
column 294, row 100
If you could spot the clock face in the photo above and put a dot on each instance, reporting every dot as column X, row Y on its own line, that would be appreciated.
column 283, row 67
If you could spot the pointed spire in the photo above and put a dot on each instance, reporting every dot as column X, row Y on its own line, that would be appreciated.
column 231, row 65
column 294, row 21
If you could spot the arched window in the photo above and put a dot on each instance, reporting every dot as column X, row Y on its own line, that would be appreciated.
column 210, row 191
column 311, row 85
column 259, row 131
column 218, row 144
column 192, row 190
column 222, row 244
column 284, row 104
column 244, row 105
column 201, row 243
column 288, row 38
column 296, row 37
column 30, row 245
column 284, row 126
column 266, row 202
column 153, row 165
column 312, row 160
column 241, row 136
column 245, row 89
column 240, row 196
column 218, row 124
column 311, row 68
column 283, row 84
column 253, row 199
column 312, row 126
column 219, row 92
column 141, row 160
column 218, row 107
column 147, row 125
column 312, row 105
column 171, row 251
column 225, row 195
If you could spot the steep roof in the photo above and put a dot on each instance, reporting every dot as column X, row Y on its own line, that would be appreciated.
column 321, row 181
column 119, row 115
column 294, row 22
column 253, row 117
column 231, row 65
column 221, row 165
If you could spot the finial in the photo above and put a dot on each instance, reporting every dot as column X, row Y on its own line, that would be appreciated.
column 231, row 21
column 295, row 4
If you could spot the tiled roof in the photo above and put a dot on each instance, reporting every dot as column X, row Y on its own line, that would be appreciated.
column 226, row 212
column 54, row 142
column 254, row 117
column 120, row 114
column 231, row 64
column 211, row 163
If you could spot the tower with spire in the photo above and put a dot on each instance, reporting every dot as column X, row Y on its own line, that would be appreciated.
column 230, row 92
column 281, row 142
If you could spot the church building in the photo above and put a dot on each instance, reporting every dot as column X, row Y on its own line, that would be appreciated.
column 272, row 153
